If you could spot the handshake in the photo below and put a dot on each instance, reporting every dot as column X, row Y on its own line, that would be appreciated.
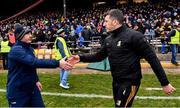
column 68, row 63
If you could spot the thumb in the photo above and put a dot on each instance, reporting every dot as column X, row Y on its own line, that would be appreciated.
column 65, row 58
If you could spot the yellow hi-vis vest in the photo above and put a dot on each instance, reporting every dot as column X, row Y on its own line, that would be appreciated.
column 176, row 38
column 58, row 55
column 4, row 47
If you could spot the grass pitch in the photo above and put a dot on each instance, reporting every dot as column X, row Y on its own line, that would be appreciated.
column 100, row 85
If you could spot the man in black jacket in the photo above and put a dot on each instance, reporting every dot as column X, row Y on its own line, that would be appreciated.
column 125, row 47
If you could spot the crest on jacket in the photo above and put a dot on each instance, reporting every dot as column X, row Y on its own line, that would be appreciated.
column 119, row 43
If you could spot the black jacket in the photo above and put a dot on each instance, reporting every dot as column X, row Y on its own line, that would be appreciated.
column 125, row 47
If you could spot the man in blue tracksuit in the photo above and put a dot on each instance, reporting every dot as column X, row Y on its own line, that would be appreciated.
column 23, row 86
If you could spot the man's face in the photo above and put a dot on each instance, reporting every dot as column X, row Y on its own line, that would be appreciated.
column 109, row 24
column 27, row 38
column 63, row 34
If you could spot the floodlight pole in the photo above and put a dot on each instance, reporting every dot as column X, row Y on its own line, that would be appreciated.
column 64, row 5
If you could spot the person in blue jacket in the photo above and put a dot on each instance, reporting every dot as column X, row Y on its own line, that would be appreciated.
column 23, row 85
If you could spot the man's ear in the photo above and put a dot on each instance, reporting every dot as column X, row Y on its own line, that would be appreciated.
column 115, row 22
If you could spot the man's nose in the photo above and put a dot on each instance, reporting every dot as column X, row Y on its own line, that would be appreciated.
column 104, row 24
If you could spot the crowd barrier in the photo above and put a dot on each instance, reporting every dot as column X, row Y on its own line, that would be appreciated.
column 44, row 53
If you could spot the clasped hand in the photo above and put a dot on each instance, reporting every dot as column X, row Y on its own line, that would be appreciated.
column 69, row 63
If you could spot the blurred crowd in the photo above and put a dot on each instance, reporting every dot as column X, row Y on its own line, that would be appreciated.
column 153, row 20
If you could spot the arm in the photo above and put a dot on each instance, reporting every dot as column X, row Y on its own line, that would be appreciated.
column 96, row 57
column 170, row 34
column 61, row 48
column 145, row 50
column 20, row 55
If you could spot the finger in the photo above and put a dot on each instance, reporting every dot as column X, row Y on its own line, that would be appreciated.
column 68, row 67
column 68, row 64
column 173, row 90
column 39, row 88
column 65, row 58
column 170, row 92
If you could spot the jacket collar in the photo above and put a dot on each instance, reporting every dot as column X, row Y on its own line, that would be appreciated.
column 23, row 43
column 118, row 30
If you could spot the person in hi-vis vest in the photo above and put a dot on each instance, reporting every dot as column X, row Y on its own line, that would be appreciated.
column 61, row 51
column 5, row 48
column 174, row 41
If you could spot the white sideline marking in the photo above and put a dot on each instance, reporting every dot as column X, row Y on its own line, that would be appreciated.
column 150, row 88
column 77, row 95
column 106, row 97
column 2, row 90
column 153, row 88
column 158, row 97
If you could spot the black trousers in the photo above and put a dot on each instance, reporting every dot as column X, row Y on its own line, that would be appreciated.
column 124, row 93
column 5, row 60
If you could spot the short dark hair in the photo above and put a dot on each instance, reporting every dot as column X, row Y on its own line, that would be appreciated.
column 116, row 14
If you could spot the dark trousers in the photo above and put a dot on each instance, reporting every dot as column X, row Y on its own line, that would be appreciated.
column 33, row 99
column 124, row 93
column 5, row 60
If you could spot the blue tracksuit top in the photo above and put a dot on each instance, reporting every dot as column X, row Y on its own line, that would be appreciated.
column 22, row 75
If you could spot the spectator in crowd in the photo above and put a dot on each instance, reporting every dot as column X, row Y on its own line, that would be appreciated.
column 62, row 51
column 124, row 47
column 174, row 41
column 81, row 40
column 86, row 34
column 163, row 41
column 78, row 29
column 147, row 34
column 138, row 16
column 11, row 36
column 1, row 38
column 5, row 48
column 23, row 85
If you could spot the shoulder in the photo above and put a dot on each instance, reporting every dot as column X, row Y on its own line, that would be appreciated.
column 108, row 38
column 16, row 49
column 134, row 34
column 60, row 39
column 174, row 31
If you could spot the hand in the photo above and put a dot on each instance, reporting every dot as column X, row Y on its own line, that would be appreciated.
column 65, row 65
column 39, row 85
column 168, row 89
column 73, row 59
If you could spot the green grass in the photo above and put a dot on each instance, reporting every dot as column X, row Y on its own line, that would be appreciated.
column 96, row 84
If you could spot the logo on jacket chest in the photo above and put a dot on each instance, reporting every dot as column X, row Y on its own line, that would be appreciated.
column 119, row 43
